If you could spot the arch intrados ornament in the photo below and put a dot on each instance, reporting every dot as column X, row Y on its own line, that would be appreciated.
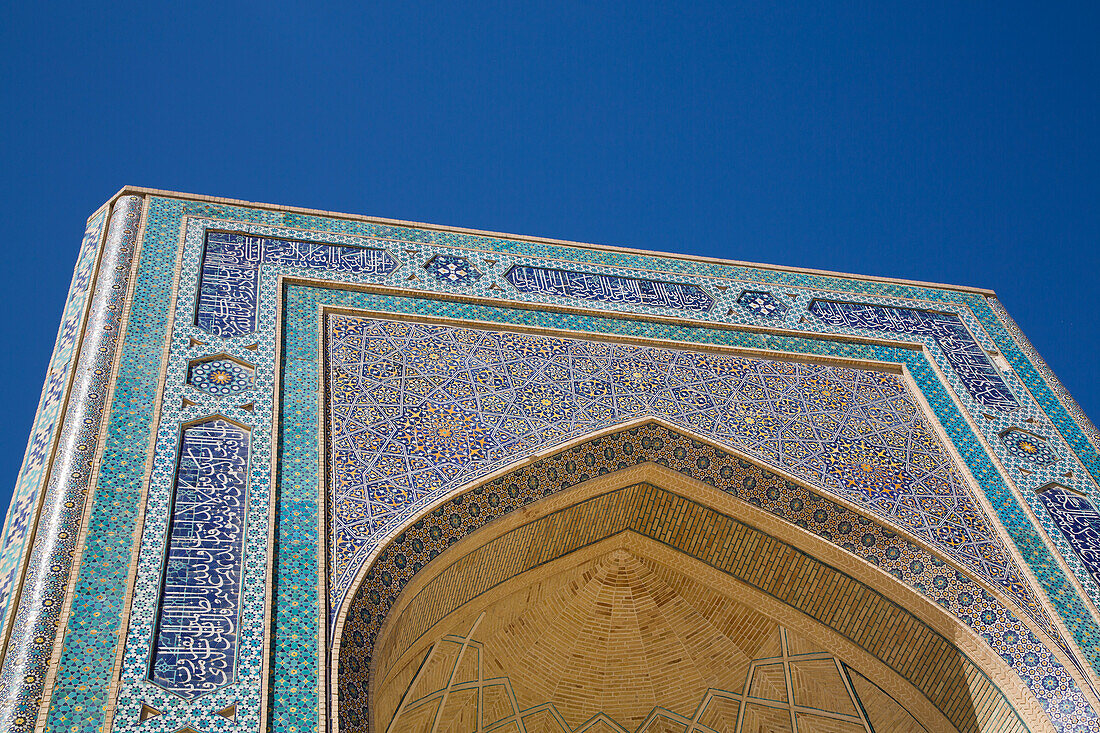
column 654, row 469
column 671, row 560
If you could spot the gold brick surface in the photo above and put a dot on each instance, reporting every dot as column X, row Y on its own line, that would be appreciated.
column 621, row 635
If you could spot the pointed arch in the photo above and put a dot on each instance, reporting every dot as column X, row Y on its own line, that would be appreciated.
column 728, row 486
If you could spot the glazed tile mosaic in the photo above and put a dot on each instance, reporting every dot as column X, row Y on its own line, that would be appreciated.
column 417, row 411
column 452, row 269
column 1028, row 446
column 223, row 376
column 963, row 353
column 608, row 288
column 872, row 541
column 1078, row 520
column 20, row 517
column 952, row 458
column 230, row 273
column 47, row 573
column 762, row 303
column 196, row 639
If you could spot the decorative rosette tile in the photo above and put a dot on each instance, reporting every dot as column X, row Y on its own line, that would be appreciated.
column 223, row 376
column 762, row 303
column 452, row 269
column 1028, row 446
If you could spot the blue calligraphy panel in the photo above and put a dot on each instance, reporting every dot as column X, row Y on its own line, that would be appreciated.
column 1079, row 521
column 230, row 274
column 227, row 289
column 196, row 634
column 609, row 288
column 963, row 353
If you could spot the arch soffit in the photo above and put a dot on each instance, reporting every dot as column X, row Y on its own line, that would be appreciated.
column 666, row 481
column 648, row 471
column 674, row 561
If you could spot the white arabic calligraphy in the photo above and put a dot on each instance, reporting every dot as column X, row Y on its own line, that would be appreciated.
column 196, row 635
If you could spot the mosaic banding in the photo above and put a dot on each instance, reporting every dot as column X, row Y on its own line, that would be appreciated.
column 34, row 629
column 47, row 419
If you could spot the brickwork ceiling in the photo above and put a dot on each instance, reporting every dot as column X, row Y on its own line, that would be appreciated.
column 625, row 643
column 573, row 621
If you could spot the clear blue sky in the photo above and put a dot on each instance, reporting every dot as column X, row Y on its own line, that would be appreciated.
column 952, row 142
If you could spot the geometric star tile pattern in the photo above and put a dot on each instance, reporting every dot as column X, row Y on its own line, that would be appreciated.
column 452, row 269
column 417, row 410
column 221, row 377
column 1028, row 446
column 469, row 510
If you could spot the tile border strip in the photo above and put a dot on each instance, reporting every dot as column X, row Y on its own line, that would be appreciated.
column 894, row 289
column 26, row 497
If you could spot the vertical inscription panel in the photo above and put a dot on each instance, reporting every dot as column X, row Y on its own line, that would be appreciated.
column 195, row 647
column 1079, row 521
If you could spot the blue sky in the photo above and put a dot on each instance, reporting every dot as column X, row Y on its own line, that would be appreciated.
column 939, row 142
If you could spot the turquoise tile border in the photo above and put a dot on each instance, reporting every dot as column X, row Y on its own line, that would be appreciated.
column 84, row 671
column 47, row 420
column 299, row 419
column 35, row 629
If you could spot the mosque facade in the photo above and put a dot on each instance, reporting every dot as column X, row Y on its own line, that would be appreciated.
column 307, row 472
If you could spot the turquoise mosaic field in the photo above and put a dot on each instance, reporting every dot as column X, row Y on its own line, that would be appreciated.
column 434, row 278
